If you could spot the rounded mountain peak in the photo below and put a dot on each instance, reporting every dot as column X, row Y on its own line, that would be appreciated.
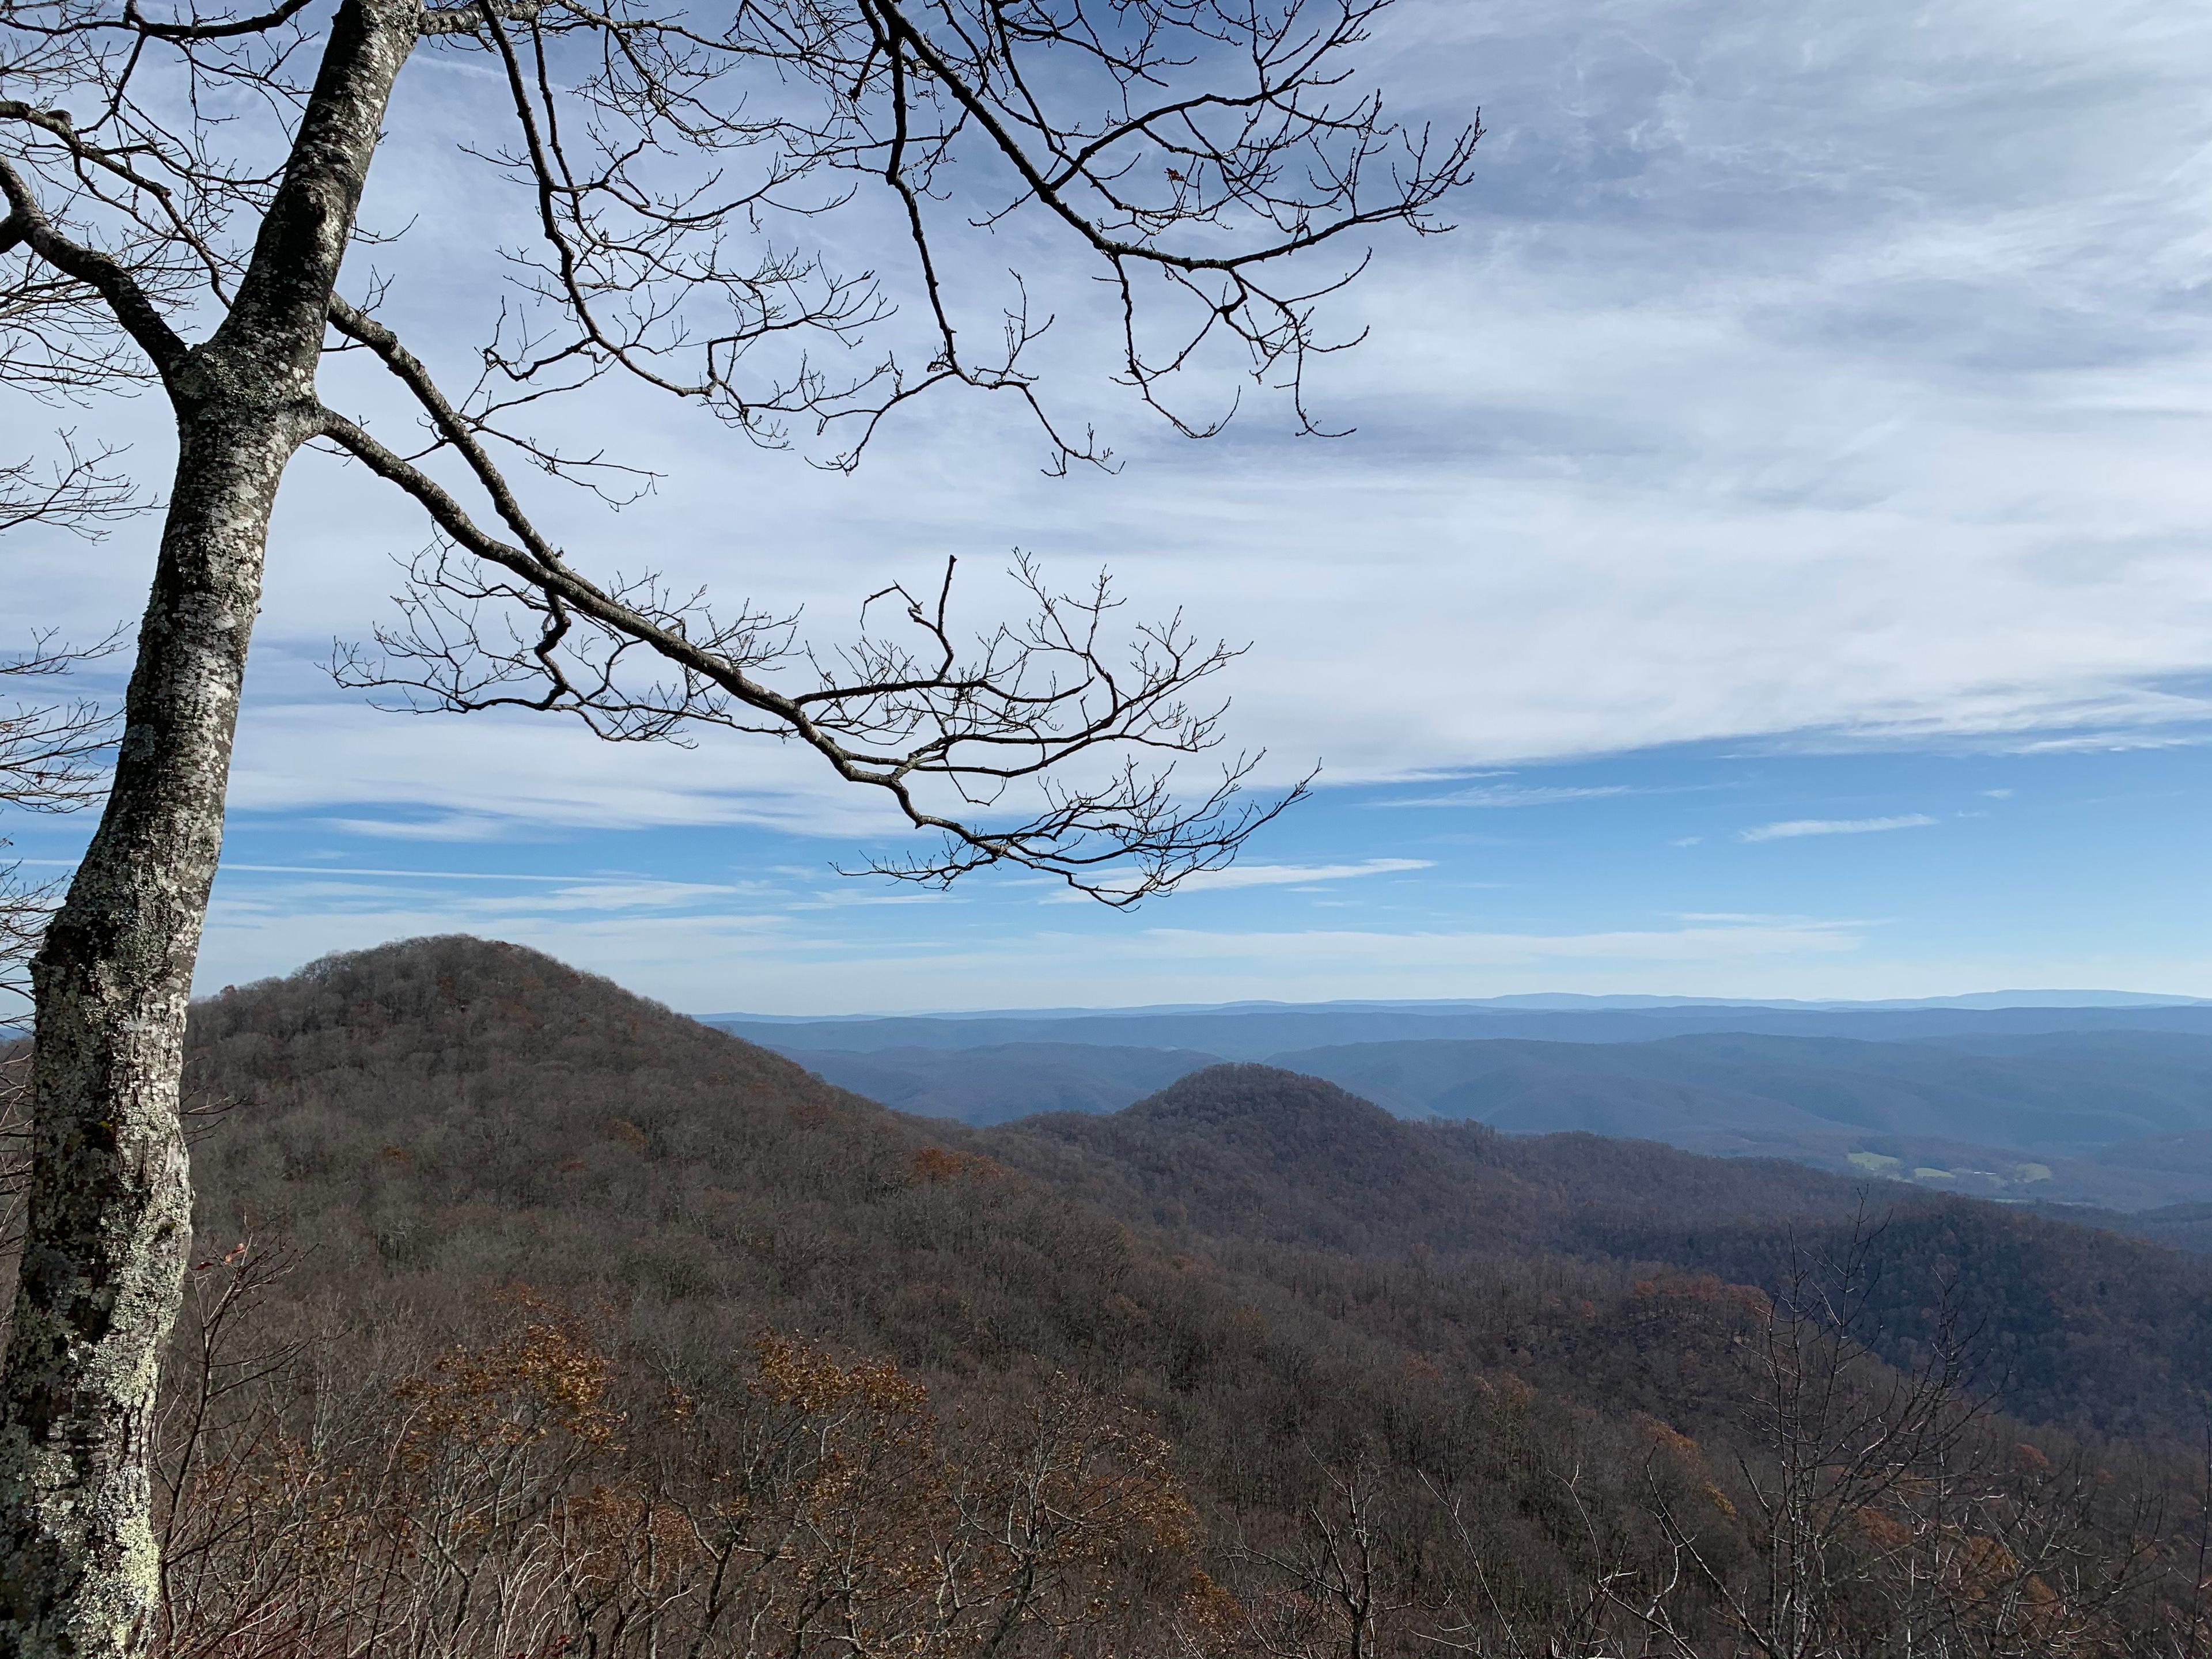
column 1257, row 1151
column 1249, row 1103
column 1237, row 1089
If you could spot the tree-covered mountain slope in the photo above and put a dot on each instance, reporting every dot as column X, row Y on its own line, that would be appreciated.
column 455, row 1178
column 2095, row 1329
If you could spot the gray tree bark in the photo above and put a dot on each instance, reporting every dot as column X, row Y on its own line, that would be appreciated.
column 109, row 1214
column 109, row 1210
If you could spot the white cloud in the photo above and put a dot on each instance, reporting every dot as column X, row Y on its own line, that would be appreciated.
column 1349, row 950
column 444, row 827
column 1803, row 377
column 606, row 895
column 1284, row 875
column 1274, row 875
column 479, row 779
column 1509, row 795
column 1791, row 828
column 405, row 875
column 1768, row 389
column 2110, row 743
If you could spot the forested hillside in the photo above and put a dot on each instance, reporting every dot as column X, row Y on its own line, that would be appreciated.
column 1002, row 1081
column 529, row 1318
column 2084, row 1327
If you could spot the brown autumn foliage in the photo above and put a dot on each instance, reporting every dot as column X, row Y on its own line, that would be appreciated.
column 524, row 1496
column 793, row 1374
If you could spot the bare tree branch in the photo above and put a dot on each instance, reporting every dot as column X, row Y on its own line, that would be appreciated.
column 1208, row 142
column 180, row 185
column 883, row 712
column 76, row 494
column 50, row 755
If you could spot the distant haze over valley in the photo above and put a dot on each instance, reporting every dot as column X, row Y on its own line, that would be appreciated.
column 1546, row 1000
column 2093, row 1097
column 590, row 1241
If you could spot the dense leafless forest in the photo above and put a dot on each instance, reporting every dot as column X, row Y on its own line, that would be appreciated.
column 528, row 1318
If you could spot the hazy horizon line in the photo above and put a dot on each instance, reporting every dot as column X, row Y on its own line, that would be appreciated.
column 1530, row 1002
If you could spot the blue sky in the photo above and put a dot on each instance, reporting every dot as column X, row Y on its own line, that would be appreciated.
column 1772, row 560
column 1709, row 869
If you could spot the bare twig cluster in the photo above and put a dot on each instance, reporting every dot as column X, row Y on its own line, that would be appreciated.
column 49, row 754
column 181, row 185
column 517, row 1495
column 1870, row 1510
column 1214, row 157
column 1882, row 1515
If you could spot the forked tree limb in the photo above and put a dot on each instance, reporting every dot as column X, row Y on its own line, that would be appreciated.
column 181, row 193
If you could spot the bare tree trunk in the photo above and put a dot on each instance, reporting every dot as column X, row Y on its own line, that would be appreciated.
column 110, row 1203
column 110, row 1210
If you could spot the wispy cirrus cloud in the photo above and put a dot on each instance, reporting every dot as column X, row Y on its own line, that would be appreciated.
column 1433, row 952
column 1789, row 829
column 1514, row 795
column 1276, row 875
column 231, row 867
column 2113, row 742
column 1289, row 875
column 1820, row 382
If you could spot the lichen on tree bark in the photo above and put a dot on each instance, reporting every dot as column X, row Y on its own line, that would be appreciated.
column 109, row 1212
column 636, row 276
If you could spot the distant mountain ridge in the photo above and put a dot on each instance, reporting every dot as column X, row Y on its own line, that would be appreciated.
column 443, row 1115
column 1526, row 999
column 1256, row 1033
column 479, row 1177
column 1267, row 1165
column 993, row 1084
column 2106, row 1105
